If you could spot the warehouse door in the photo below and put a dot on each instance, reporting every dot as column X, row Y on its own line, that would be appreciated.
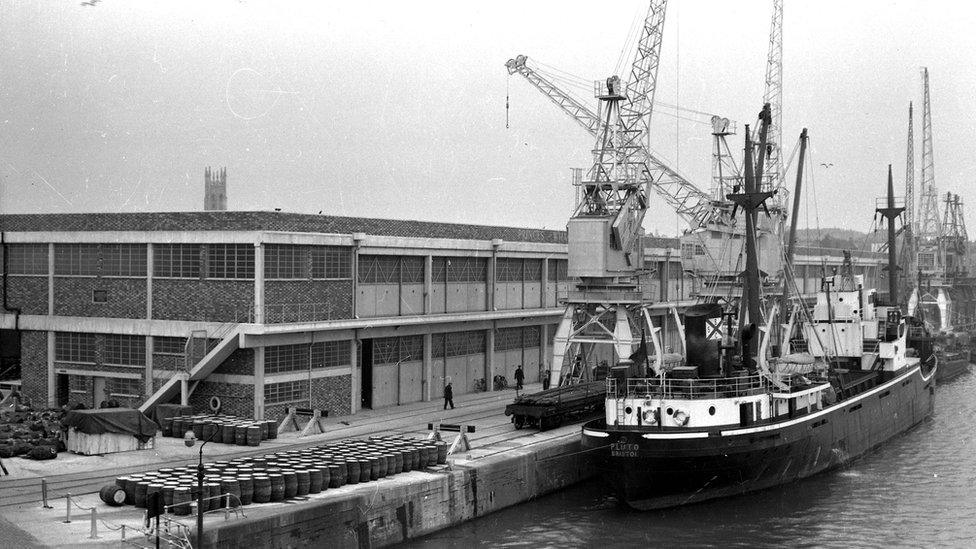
column 366, row 373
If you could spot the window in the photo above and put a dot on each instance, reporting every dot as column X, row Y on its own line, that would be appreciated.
column 412, row 270
column 557, row 270
column 464, row 343
column 699, row 249
column 508, row 338
column 286, row 358
column 100, row 259
column 74, row 347
column 169, row 345
column 176, row 260
column 125, row 350
column 99, row 296
column 124, row 387
column 76, row 259
column 379, row 269
column 460, row 269
column 926, row 260
column 331, row 262
column 330, row 354
column 285, row 261
column 123, row 259
column 27, row 259
column 533, row 270
column 687, row 250
column 230, row 261
column 508, row 270
column 390, row 350
column 288, row 391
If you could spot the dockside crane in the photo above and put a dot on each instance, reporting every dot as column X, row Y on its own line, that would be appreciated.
column 931, row 256
column 773, row 96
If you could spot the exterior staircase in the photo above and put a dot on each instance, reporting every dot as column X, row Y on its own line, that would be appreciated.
column 173, row 387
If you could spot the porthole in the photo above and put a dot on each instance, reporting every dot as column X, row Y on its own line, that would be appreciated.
column 629, row 410
column 670, row 411
column 711, row 410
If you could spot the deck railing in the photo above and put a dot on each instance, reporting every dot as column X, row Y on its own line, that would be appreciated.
column 725, row 387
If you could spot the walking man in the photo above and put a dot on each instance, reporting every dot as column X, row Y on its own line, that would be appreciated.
column 519, row 377
column 448, row 396
column 545, row 381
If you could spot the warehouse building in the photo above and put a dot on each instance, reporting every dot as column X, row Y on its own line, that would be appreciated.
column 265, row 310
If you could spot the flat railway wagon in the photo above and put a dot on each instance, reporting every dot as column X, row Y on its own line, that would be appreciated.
column 548, row 409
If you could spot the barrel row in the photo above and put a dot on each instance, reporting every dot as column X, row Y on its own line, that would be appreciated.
column 282, row 475
column 222, row 429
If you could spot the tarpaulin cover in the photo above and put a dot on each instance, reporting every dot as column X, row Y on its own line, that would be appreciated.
column 112, row 420
column 163, row 411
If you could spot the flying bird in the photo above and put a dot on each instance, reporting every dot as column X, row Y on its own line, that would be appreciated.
column 826, row 165
column 90, row 3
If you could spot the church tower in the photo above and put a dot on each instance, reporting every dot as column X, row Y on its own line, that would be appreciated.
column 215, row 189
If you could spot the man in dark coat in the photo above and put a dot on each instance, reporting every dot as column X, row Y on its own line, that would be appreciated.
column 448, row 396
column 519, row 377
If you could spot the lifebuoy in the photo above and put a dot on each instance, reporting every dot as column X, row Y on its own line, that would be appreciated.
column 681, row 418
column 214, row 403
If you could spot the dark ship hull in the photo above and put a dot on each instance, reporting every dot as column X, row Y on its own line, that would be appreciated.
column 952, row 364
column 651, row 468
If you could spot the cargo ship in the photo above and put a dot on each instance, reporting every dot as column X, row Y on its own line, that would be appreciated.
column 846, row 381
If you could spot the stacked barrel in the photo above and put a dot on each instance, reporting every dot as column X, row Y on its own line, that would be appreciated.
column 222, row 429
column 284, row 475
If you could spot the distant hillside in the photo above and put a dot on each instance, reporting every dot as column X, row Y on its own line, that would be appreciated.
column 834, row 237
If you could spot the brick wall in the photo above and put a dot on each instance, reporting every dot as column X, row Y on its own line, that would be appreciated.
column 126, row 297
column 336, row 295
column 208, row 300
column 328, row 393
column 88, row 397
column 240, row 362
column 29, row 293
column 33, row 366
column 235, row 399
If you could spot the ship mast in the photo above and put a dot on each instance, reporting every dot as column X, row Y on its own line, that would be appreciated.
column 750, row 201
column 891, row 212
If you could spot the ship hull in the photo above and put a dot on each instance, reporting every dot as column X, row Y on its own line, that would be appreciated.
column 651, row 468
column 952, row 365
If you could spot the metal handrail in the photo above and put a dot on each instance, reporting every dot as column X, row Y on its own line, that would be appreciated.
column 666, row 387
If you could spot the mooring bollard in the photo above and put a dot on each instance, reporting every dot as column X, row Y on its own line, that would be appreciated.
column 44, row 494
column 67, row 508
column 94, row 524
column 123, row 532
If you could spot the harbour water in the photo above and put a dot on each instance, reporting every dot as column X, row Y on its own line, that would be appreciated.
column 918, row 490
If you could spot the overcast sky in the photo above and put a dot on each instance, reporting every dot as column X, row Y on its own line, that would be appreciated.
column 397, row 109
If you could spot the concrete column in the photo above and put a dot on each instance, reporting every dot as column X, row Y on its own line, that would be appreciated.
column 149, row 279
column 543, row 348
column 149, row 367
column 259, row 284
column 356, row 392
column 428, row 283
column 259, row 383
column 490, row 358
column 50, row 279
column 428, row 366
column 544, row 286
column 492, row 284
column 52, row 397
column 357, row 239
